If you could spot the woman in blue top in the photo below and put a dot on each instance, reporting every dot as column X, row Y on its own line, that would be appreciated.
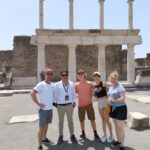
column 116, row 98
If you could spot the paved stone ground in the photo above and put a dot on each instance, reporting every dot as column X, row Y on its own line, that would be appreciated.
column 23, row 136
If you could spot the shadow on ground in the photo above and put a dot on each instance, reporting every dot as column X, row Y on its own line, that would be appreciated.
column 142, row 128
column 84, row 146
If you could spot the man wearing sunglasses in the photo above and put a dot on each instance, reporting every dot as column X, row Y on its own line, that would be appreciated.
column 45, row 90
column 65, row 101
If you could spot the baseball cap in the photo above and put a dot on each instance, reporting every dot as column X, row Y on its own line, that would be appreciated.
column 80, row 71
column 97, row 73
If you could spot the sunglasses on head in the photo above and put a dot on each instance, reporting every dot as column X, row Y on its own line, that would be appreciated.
column 64, row 75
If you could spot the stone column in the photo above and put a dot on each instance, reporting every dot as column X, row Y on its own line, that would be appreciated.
column 41, row 14
column 101, row 61
column 130, row 14
column 71, row 14
column 72, row 62
column 130, row 64
column 101, row 21
column 41, row 60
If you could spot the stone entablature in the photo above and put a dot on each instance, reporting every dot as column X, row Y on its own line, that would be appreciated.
column 86, row 37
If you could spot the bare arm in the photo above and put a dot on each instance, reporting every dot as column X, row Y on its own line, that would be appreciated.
column 35, row 100
column 120, row 99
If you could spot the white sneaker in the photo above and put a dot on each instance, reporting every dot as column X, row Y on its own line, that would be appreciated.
column 104, row 139
column 110, row 139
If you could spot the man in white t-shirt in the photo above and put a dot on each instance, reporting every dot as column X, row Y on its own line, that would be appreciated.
column 45, row 104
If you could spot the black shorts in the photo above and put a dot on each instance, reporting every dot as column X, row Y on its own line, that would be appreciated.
column 120, row 113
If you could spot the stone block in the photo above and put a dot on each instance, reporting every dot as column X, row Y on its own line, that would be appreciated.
column 137, row 120
column 5, row 93
column 24, row 119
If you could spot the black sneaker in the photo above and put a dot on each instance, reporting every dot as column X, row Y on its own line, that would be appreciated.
column 96, row 137
column 46, row 141
column 60, row 140
column 83, row 136
column 73, row 139
column 40, row 148
column 116, row 143
column 122, row 148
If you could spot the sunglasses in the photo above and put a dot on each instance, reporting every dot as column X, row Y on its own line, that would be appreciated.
column 113, row 78
column 64, row 75
column 49, row 74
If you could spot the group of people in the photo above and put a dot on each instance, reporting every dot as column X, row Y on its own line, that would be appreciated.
column 65, row 95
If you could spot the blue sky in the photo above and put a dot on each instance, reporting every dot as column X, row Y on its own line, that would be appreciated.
column 20, row 17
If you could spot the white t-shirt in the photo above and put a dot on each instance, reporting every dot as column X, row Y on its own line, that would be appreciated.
column 45, row 92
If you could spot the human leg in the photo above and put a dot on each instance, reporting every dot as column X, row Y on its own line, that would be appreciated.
column 101, row 112
column 61, row 114
column 121, row 131
column 69, row 113
column 81, row 114
column 40, row 136
column 91, row 117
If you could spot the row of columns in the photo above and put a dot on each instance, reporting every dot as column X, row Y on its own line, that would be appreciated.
column 101, row 62
column 71, row 14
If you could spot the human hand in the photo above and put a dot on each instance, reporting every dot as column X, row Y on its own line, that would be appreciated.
column 113, row 100
column 41, row 105
column 74, row 105
column 55, row 105
column 110, row 100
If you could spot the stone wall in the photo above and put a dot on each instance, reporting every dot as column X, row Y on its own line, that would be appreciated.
column 57, row 59
column 116, row 59
column 24, row 57
column 86, row 58
column 6, row 59
column 148, row 60
column 143, row 61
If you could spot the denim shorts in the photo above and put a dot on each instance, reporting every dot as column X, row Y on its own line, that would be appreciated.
column 102, row 102
column 45, row 117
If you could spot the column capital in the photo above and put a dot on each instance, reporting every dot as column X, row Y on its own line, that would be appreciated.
column 71, row 0
column 72, row 46
column 101, row 1
column 102, row 45
column 40, row 45
column 131, row 45
column 129, row 1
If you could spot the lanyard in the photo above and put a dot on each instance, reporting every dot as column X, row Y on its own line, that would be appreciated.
column 66, row 88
